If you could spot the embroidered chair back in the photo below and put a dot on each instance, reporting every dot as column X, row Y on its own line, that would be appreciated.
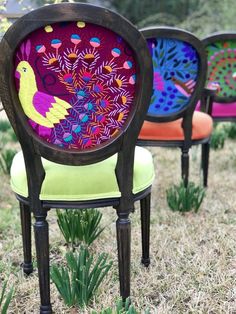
column 76, row 83
column 78, row 80
column 221, row 52
column 178, row 65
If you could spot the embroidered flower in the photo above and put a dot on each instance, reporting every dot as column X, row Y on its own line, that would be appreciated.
column 158, row 81
column 189, row 52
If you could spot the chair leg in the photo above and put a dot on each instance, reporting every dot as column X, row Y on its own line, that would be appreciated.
column 145, row 226
column 123, row 228
column 185, row 166
column 205, row 162
column 42, row 250
column 26, row 238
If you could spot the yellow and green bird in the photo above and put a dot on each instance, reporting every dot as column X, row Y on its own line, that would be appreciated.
column 43, row 109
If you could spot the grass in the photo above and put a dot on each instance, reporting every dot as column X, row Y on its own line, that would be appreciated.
column 5, row 297
column 193, row 257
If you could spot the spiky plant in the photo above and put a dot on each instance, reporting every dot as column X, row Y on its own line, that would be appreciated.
column 79, row 226
column 5, row 298
column 218, row 137
column 230, row 130
column 6, row 157
column 185, row 199
column 121, row 308
column 78, row 281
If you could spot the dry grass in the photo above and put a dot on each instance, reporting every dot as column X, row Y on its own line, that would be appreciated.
column 193, row 266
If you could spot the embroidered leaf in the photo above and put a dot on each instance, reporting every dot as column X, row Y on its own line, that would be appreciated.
column 161, row 44
column 161, row 53
column 171, row 49
column 171, row 56
column 180, row 74
column 153, row 99
column 187, row 65
column 155, row 64
column 176, row 106
column 177, row 63
column 193, row 72
column 162, row 62
column 27, row 48
column 165, row 76
column 180, row 101
column 182, row 97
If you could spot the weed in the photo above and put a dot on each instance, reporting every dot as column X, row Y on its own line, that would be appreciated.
column 79, row 225
column 12, row 136
column 121, row 308
column 185, row 199
column 230, row 130
column 78, row 282
column 6, row 157
column 4, row 126
column 5, row 298
column 218, row 137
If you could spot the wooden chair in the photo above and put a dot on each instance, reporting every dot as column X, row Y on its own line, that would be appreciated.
column 221, row 54
column 82, row 88
column 179, row 64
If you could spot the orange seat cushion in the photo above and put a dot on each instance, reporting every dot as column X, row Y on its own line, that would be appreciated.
column 171, row 131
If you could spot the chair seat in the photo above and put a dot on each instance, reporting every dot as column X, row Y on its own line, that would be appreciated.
column 172, row 131
column 222, row 109
column 77, row 183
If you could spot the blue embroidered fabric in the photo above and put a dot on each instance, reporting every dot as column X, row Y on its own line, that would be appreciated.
column 175, row 65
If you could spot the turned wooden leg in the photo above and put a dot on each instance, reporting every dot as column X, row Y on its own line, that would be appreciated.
column 145, row 226
column 205, row 162
column 42, row 250
column 123, row 227
column 185, row 166
column 25, row 215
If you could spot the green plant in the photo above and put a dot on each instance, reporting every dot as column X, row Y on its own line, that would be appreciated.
column 4, row 125
column 218, row 137
column 230, row 130
column 12, row 135
column 6, row 157
column 5, row 298
column 79, row 280
column 79, row 225
column 185, row 199
column 121, row 308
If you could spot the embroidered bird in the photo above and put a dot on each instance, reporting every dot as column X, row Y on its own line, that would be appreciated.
column 185, row 88
column 43, row 109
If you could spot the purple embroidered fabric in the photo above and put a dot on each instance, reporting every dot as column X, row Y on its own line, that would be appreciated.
column 76, row 83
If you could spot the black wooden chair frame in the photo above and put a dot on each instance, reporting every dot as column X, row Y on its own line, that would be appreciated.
column 34, row 148
column 186, row 113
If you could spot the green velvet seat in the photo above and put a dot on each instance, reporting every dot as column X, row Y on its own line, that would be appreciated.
column 90, row 182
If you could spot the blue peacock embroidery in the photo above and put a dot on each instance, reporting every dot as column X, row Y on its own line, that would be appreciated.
column 175, row 65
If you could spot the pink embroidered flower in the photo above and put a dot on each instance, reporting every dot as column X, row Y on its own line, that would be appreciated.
column 158, row 81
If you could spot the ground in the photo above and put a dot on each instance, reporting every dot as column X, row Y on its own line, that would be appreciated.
column 193, row 256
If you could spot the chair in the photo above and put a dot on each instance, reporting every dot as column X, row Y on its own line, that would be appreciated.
column 221, row 53
column 82, row 86
column 179, row 64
